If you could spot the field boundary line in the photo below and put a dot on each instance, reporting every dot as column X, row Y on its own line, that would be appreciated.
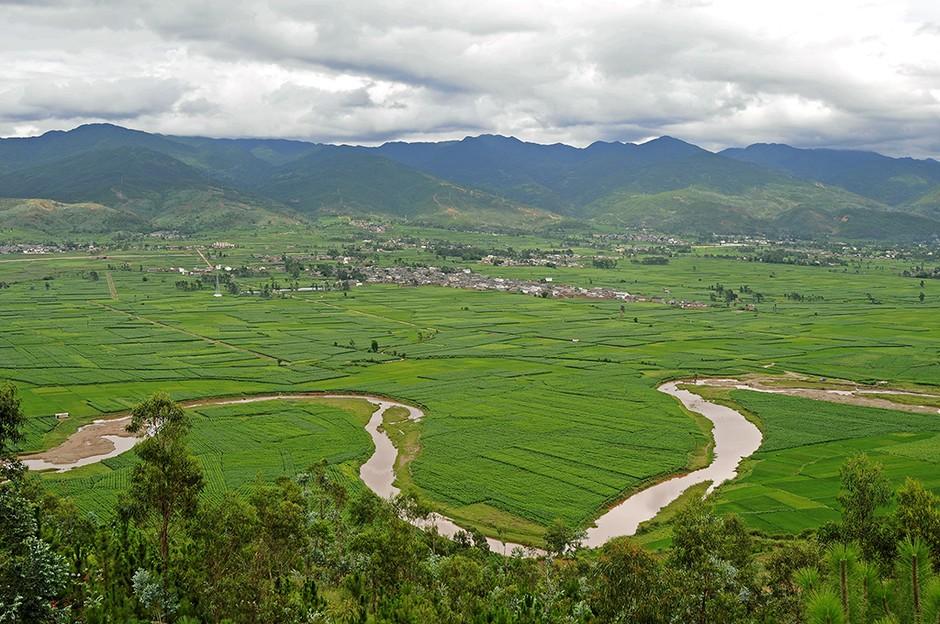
column 360, row 312
column 214, row 341
column 111, row 287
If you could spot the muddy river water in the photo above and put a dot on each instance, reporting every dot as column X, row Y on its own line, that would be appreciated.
column 735, row 439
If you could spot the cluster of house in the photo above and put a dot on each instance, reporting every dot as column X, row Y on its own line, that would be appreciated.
column 40, row 249
column 465, row 278
column 638, row 237
column 370, row 226
column 546, row 260
column 197, row 270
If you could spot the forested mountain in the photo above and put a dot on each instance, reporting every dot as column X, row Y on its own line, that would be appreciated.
column 150, row 181
column 893, row 181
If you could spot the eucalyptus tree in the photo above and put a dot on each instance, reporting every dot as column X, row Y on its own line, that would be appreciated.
column 865, row 489
column 166, row 483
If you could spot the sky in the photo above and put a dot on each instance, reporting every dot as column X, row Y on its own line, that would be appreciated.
column 811, row 73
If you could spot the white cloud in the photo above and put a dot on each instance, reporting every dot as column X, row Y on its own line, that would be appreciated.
column 728, row 72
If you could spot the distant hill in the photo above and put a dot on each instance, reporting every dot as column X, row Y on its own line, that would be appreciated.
column 893, row 181
column 102, row 177
column 554, row 177
column 109, row 176
column 46, row 215
column 348, row 180
column 148, row 189
column 665, row 185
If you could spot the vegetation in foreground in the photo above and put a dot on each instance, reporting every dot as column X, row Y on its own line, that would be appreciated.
column 303, row 550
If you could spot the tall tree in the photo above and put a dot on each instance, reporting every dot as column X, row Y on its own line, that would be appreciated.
column 167, row 481
column 918, row 515
column 627, row 584
column 32, row 575
column 159, row 413
column 865, row 488
column 713, row 565
column 12, row 420
column 560, row 538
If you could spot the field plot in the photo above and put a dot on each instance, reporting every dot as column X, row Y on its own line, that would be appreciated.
column 237, row 444
column 791, row 483
column 537, row 408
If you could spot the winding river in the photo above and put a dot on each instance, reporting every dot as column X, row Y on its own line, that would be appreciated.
column 735, row 439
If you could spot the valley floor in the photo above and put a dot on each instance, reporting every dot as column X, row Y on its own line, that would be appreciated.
column 536, row 408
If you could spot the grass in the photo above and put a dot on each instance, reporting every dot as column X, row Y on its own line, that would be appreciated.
column 536, row 408
column 405, row 434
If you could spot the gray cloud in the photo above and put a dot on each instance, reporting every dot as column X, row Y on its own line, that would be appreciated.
column 118, row 99
column 725, row 72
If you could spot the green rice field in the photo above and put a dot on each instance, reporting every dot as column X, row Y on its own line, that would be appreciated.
column 239, row 444
column 792, row 481
column 536, row 408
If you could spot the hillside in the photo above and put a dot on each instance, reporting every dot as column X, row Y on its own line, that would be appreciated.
column 151, row 181
column 554, row 177
column 141, row 190
column 665, row 185
column 348, row 180
column 46, row 215
column 893, row 181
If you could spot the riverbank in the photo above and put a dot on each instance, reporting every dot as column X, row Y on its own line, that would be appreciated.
column 735, row 438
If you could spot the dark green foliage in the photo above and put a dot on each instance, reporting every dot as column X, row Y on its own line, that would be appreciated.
column 628, row 585
column 302, row 550
column 918, row 515
column 167, row 481
column 160, row 414
column 560, row 538
column 32, row 574
column 712, row 557
column 864, row 490
column 12, row 419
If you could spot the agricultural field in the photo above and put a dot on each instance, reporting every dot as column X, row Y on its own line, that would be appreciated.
column 536, row 408
column 236, row 445
column 792, row 481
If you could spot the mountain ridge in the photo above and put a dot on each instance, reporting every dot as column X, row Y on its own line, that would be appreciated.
column 490, row 181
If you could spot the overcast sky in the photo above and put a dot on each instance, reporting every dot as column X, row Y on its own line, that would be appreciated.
column 840, row 73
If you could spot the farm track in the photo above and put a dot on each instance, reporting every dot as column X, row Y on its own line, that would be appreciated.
column 848, row 394
column 111, row 287
column 204, row 259
column 735, row 439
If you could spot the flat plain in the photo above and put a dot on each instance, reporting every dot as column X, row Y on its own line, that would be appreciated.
column 536, row 408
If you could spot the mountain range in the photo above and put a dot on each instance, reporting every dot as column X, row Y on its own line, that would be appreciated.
column 105, row 178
